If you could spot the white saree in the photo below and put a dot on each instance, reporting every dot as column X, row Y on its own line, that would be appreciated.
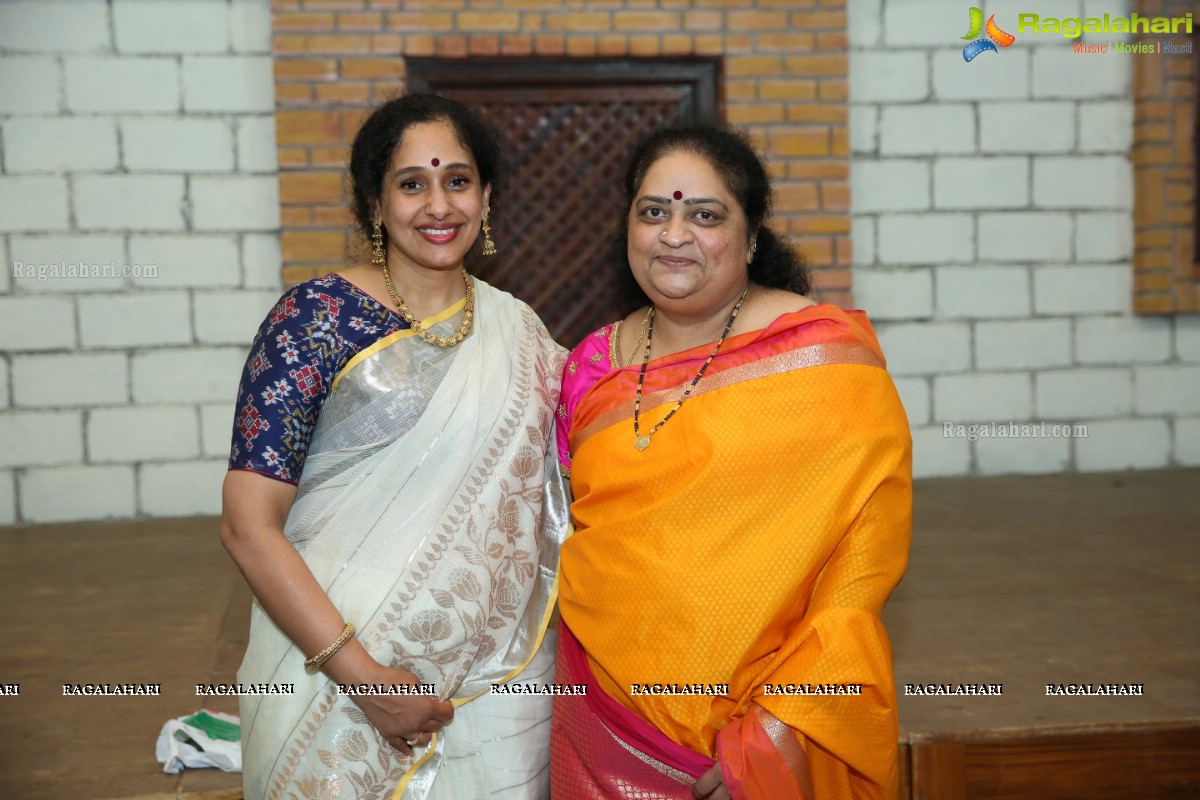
column 431, row 511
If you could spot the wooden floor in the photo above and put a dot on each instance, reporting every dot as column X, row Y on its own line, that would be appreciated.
column 1019, row 581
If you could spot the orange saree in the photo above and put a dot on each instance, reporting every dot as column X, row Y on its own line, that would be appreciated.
column 724, row 587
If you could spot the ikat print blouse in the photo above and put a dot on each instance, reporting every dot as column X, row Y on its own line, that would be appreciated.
column 302, row 345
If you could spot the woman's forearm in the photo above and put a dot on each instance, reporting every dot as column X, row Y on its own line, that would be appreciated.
column 255, row 508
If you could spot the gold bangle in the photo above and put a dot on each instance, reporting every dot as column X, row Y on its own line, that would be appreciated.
column 313, row 664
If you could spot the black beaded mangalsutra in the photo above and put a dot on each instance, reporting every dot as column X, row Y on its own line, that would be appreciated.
column 642, row 442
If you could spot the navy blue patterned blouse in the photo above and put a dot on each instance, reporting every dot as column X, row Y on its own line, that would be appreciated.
column 302, row 345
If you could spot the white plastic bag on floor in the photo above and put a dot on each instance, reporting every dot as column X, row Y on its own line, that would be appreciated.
column 203, row 739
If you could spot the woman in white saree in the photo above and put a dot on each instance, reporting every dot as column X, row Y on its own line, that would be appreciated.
column 394, row 499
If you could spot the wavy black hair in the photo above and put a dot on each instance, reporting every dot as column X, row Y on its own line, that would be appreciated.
column 379, row 136
column 731, row 155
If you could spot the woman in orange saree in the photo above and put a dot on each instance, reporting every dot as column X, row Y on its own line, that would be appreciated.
column 741, row 471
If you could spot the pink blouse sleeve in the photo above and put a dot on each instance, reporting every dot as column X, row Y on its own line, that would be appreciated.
column 588, row 362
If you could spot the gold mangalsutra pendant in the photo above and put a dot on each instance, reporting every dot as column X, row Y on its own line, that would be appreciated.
column 642, row 442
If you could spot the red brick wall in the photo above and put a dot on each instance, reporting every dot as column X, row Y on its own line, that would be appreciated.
column 1166, row 277
column 785, row 67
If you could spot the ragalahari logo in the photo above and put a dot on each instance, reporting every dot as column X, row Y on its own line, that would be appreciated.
column 981, row 43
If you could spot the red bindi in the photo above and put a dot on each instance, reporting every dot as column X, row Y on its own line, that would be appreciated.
column 678, row 195
column 435, row 162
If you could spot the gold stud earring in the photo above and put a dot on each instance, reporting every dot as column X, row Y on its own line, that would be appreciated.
column 489, row 247
column 377, row 256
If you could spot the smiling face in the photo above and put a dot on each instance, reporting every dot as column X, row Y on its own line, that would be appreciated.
column 688, row 239
column 432, row 202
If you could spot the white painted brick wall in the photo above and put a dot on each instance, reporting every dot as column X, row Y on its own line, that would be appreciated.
column 8, row 497
column 890, row 185
column 256, row 144
column 134, row 83
column 235, row 203
column 913, row 348
column 197, row 375
column 32, row 26
column 1029, row 241
column 1124, row 444
column 262, row 261
column 915, row 395
column 927, row 129
column 216, row 429
column 1104, row 236
column 190, row 260
column 165, row 144
column 890, row 77
column 1002, row 78
column 231, row 317
column 1016, row 236
column 33, row 203
column 1060, row 73
column 55, row 144
column 864, row 131
column 143, row 433
column 982, row 292
column 148, row 319
column 31, row 84
column 29, row 253
column 1022, row 455
column 1082, row 289
column 1122, row 340
column 964, row 183
column 1017, row 344
column 184, row 489
column 1169, row 391
column 895, row 294
column 935, row 455
column 175, row 102
column 77, row 494
column 250, row 26
column 925, row 238
column 6, row 264
column 982, row 398
column 129, row 202
column 1082, row 182
column 1106, row 126
column 862, row 237
column 1026, row 127
column 1187, row 339
column 1187, row 442
column 228, row 83
column 40, row 438
column 37, row 323
column 70, row 380
column 1075, row 394
column 181, row 26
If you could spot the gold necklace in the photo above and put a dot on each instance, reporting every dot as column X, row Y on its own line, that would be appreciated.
column 440, row 341
column 642, row 442
column 615, row 356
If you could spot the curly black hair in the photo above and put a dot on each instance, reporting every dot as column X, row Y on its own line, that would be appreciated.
column 730, row 153
column 379, row 136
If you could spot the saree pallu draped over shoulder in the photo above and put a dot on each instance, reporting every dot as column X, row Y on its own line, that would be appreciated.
column 431, row 512
column 722, row 590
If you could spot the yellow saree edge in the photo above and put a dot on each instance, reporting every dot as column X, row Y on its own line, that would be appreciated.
column 546, row 615
column 413, row 769
column 391, row 339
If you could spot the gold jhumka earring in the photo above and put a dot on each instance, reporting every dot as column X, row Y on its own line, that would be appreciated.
column 489, row 247
column 377, row 256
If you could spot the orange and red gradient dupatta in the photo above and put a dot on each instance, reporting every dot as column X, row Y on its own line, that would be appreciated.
column 754, row 544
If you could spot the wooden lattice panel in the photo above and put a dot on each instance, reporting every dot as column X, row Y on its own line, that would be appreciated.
column 560, row 211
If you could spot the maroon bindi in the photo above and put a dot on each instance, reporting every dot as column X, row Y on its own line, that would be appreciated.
column 678, row 195
column 435, row 162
